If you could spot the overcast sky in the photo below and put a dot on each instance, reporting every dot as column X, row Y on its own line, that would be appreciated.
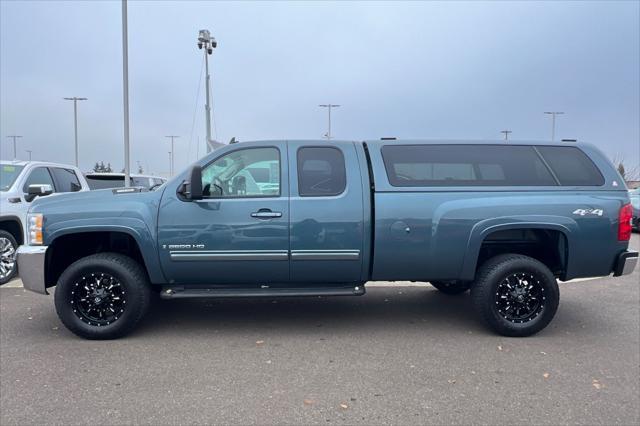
column 410, row 70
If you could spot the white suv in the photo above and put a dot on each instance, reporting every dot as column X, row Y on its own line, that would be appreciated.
column 20, row 183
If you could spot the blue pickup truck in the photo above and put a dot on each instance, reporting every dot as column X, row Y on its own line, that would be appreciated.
column 297, row 218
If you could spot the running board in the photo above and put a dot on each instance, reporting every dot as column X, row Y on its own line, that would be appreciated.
column 178, row 292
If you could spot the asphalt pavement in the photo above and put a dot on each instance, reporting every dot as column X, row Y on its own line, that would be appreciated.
column 401, row 355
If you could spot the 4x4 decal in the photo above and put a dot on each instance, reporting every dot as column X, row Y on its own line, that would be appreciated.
column 584, row 212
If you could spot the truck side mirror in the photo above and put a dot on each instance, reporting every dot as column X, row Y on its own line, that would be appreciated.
column 195, row 183
column 38, row 190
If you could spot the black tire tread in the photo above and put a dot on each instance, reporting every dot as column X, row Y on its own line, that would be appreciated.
column 138, row 277
column 481, row 292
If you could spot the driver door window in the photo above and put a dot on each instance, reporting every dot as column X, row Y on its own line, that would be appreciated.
column 38, row 176
column 245, row 173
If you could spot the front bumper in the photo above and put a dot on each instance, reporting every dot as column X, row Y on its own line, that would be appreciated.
column 31, row 262
column 625, row 264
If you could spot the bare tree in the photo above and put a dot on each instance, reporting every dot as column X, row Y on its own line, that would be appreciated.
column 628, row 173
column 621, row 170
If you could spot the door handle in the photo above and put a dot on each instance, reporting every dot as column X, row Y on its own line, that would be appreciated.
column 265, row 214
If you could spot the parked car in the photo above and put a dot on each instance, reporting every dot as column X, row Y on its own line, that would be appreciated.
column 634, row 195
column 116, row 180
column 503, row 220
column 20, row 183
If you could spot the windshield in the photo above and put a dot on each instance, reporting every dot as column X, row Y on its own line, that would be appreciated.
column 8, row 175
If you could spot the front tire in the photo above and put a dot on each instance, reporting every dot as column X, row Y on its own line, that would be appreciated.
column 102, row 296
column 8, row 264
column 515, row 295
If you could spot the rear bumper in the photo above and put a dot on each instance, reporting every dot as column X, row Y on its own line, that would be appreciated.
column 31, row 261
column 625, row 264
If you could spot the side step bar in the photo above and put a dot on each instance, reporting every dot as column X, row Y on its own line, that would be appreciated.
column 180, row 292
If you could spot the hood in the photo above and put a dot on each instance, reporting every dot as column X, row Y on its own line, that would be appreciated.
column 92, row 199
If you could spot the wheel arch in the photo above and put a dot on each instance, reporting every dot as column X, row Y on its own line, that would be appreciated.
column 481, row 236
column 67, row 246
column 13, row 225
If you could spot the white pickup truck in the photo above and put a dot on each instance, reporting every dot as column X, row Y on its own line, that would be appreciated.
column 20, row 183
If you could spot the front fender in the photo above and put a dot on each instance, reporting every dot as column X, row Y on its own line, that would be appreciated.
column 567, row 226
column 134, row 227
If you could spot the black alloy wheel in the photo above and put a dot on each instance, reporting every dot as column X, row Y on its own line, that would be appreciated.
column 98, row 299
column 515, row 295
column 520, row 297
column 102, row 296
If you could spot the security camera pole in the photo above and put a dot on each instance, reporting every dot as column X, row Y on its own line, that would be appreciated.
column 553, row 122
column 14, row 137
column 172, row 137
column 506, row 134
column 329, row 106
column 75, row 121
column 208, row 43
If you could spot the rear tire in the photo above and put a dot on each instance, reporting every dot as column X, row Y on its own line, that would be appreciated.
column 451, row 287
column 8, row 264
column 102, row 296
column 515, row 295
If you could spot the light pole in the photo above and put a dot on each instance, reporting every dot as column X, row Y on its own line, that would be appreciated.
column 14, row 137
column 553, row 122
column 506, row 134
column 125, row 93
column 75, row 121
column 208, row 43
column 170, row 163
column 29, row 151
column 172, row 137
column 329, row 106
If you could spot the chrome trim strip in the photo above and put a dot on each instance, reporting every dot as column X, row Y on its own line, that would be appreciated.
column 31, row 260
column 228, row 255
column 325, row 254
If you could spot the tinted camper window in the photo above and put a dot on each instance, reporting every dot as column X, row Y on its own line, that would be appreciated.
column 571, row 166
column 465, row 165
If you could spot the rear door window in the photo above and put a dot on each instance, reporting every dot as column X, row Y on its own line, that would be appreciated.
column 571, row 166
column 66, row 179
column 321, row 172
column 465, row 165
